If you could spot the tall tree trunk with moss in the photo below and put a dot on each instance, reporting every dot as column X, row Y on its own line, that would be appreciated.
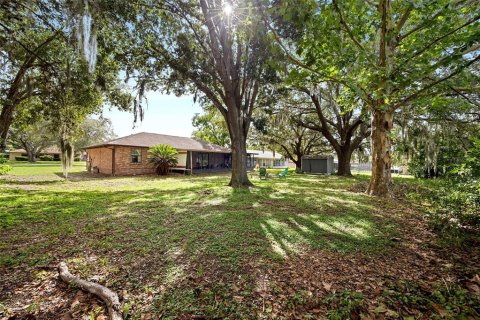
column 66, row 148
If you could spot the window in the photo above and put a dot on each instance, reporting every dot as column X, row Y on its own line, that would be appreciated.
column 250, row 161
column 136, row 156
column 201, row 160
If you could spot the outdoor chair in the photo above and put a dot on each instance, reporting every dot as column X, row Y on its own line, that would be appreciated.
column 283, row 174
column 263, row 174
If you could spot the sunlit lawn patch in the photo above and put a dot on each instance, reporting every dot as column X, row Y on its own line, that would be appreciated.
column 159, row 232
column 276, row 218
column 45, row 168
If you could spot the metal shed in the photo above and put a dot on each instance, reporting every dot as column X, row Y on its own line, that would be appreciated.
column 317, row 164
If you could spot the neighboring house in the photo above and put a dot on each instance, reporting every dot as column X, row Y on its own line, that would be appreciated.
column 266, row 159
column 52, row 151
column 128, row 155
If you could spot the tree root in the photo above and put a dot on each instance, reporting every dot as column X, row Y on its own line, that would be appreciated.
column 109, row 297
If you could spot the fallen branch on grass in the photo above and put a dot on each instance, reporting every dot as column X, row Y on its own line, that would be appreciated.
column 109, row 297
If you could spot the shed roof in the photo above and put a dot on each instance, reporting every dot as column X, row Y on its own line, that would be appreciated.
column 146, row 139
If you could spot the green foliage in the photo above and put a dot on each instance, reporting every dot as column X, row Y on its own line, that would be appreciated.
column 457, row 205
column 444, row 301
column 416, row 167
column 437, row 137
column 4, row 155
column 4, row 168
column 30, row 130
column 341, row 40
column 77, row 159
column 163, row 157
column 452, row 205
column 471, row 166
column 46, row 157
column 21, row 158
column 344, row 305
column 211, row 127
column 93, row 131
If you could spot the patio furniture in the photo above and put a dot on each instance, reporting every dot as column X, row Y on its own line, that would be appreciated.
column 262, row 173
column 283, row 174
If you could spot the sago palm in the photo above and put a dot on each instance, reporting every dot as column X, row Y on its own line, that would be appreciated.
column 162, row 156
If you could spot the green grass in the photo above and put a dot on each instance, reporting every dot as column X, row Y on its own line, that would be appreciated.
column 44, row 168
column 198, row 215
column 152, row 235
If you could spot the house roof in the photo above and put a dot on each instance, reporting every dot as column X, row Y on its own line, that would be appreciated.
column 262, row 154
column 146, row 139
column 49, row 150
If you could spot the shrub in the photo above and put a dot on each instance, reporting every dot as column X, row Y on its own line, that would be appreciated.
column 457, row 200
column 458, row 204
column 21, row 158
column 77, row 159
column 4, row 156
column 162, row 156
column 4, row 168
column 46, row 157
column 416, row 168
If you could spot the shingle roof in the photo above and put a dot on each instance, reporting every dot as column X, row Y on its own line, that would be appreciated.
column 146, row 139
column 265, row 154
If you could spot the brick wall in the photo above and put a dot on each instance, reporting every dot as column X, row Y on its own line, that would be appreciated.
column 124, row 165
column 100, row 158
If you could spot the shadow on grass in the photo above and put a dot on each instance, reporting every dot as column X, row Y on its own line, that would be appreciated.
column 275, row 219
column 162, row 235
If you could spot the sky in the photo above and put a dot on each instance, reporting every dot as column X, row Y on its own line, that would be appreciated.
column 165, row 114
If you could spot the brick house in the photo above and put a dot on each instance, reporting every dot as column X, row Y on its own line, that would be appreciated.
column 51, row 151
column 128, row 155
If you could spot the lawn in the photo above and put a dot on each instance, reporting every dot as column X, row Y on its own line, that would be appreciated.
column 191, row 247
column 46, row 168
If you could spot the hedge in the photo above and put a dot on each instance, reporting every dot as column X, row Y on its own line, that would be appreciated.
column 21, row 158
column 46, row 157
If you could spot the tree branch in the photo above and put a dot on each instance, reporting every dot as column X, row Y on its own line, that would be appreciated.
column 429, row 86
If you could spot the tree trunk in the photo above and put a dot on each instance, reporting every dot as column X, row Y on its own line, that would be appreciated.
column 382, row 124
column 31, row 155
column 344, row 156
column 239, row 177
column 298, row 163
column 6, row 118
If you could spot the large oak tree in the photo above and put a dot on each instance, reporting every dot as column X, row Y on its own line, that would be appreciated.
column 207, row 48
column 389, row 53
column 339, row 117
